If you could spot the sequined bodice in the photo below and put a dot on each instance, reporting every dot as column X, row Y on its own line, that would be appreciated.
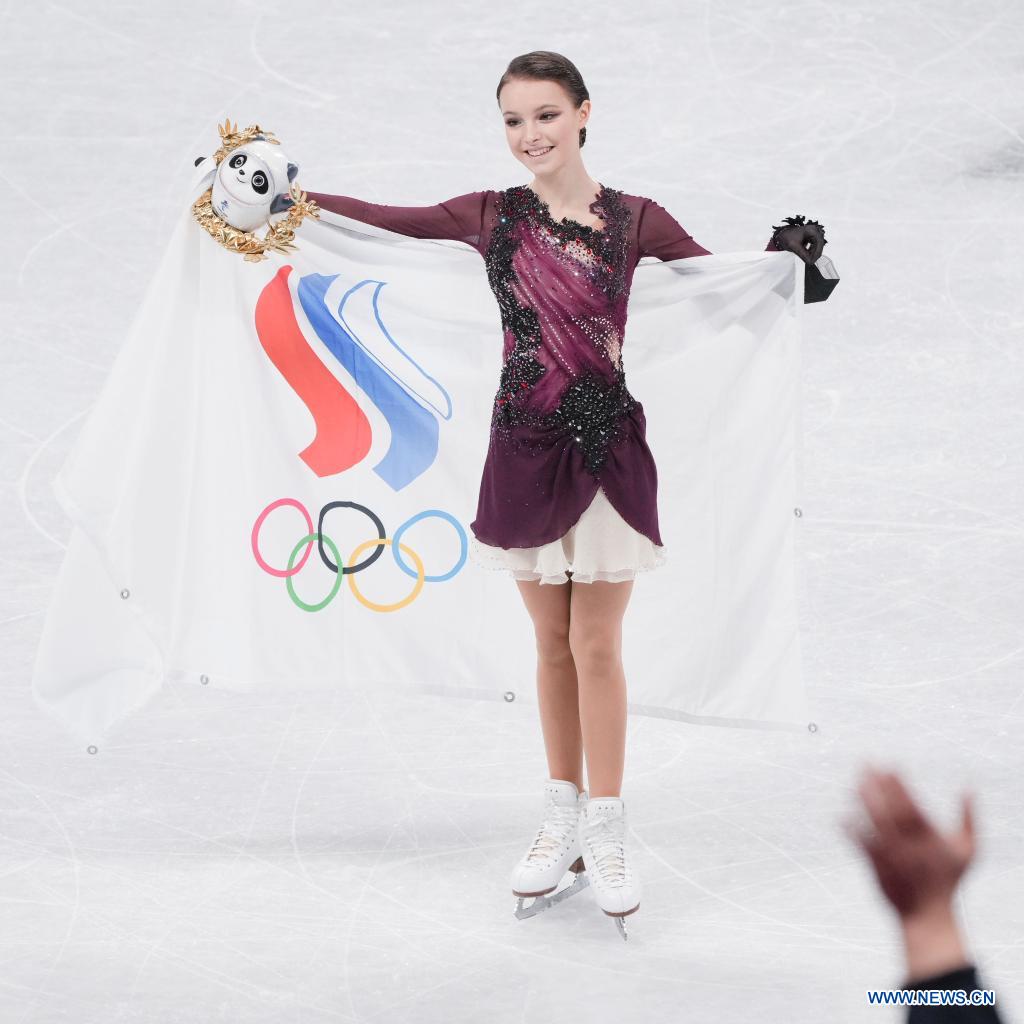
column 562, row 288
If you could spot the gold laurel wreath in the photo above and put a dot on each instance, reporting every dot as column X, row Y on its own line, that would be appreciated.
column 280, row 235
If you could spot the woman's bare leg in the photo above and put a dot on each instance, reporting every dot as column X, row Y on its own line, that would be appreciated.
column 557, row 692
column 595, row 639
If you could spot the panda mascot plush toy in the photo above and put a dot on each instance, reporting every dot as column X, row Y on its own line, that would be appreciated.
column 252, row 185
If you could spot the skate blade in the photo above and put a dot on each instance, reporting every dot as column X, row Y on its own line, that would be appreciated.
column 619, row 918
column 542, row 903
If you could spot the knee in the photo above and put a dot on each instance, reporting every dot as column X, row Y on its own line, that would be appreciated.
column 553, row 646
column 594, row 654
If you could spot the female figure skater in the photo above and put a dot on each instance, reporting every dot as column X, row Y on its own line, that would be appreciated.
column 569, row 488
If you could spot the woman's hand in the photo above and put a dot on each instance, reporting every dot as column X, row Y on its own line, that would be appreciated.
column 805, row 238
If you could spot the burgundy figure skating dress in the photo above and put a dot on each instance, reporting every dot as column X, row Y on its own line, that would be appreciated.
column 569, row 485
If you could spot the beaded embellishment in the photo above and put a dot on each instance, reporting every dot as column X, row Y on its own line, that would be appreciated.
column 594, row 401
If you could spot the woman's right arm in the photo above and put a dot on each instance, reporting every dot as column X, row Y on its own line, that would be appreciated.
column 460, row 218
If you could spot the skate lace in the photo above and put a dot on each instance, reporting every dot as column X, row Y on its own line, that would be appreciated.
column 606, row 841
column 559, row 820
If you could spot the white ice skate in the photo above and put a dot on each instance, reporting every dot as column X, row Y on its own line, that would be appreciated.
column 554, row 851
column 602, row 830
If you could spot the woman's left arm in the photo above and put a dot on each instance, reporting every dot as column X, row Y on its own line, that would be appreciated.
column 662, row 236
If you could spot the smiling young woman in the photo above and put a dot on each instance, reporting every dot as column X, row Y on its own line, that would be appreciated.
column 568, row 493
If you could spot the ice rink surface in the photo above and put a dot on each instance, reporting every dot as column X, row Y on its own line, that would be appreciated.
column 222, row 859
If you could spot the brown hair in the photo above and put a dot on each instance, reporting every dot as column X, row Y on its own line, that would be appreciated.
column 544, row 65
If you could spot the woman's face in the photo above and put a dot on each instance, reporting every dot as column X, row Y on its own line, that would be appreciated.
column 540, row 118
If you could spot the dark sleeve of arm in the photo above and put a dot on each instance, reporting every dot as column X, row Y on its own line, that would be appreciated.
column 662, row 236
column 459, row 219
column 965, row 978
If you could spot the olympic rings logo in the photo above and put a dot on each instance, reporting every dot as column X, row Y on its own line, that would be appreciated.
column 353, row 567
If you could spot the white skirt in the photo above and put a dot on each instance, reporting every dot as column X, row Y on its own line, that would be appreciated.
column 601, row 545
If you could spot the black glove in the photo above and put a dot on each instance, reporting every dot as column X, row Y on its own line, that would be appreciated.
column 804, row 237
column 807, row 239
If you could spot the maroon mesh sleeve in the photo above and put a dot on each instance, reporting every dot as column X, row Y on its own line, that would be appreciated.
column 662, row 236
column 459, row 219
